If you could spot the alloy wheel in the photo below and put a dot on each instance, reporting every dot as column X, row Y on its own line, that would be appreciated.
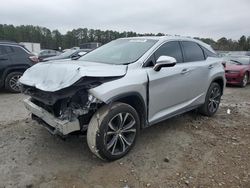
column 13, row 83
column 121, row 133
column 214, row 99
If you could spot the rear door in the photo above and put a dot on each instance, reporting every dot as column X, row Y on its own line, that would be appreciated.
column 19, row 56
column 198, row 66
column 5, row 62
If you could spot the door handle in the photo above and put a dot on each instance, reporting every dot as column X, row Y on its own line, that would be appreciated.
column 211, row 66
column 184, row 71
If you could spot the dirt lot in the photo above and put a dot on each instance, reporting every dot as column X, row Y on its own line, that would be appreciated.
column 185, row 151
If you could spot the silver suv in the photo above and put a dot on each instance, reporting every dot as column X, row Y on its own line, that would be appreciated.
column 126, row 85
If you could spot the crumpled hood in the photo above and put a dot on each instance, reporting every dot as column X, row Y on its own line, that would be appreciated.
column 54, row 76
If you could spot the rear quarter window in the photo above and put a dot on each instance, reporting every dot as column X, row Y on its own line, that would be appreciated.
column 192, row 51
column 19, row 50
column 208, row 53
column 1, row 51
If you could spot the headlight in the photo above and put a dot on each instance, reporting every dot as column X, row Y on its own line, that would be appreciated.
column 233, row 72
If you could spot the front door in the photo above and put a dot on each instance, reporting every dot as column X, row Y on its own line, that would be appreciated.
column 173, row 89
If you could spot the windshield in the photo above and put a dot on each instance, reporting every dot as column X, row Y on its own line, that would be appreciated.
column 121, row 51
column 239, row 60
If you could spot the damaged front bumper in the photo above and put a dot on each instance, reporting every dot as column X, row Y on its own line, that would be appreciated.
column 53, row 124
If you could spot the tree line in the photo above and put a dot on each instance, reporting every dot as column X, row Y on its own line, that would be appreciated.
column 54, row 39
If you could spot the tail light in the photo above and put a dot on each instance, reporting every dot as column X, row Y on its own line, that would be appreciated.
column 34, row 59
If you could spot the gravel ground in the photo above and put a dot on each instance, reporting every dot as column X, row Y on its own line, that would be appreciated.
column 186, row 151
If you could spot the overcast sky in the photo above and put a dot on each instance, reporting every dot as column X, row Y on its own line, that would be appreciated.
column 202, row 18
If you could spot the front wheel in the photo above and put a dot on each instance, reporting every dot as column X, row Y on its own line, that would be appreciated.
column 113, row 130
column 212, row 101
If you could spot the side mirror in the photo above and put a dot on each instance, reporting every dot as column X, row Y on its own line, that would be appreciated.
column 164, row 61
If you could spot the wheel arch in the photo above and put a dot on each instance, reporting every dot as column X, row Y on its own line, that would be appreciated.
column 13, row 69
column 135, row 100
column 220, row 81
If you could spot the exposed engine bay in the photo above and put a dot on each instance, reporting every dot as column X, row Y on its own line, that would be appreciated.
column 71, row 103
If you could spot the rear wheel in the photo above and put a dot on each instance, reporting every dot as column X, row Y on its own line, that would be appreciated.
column 212, row 102
column 244, row 80
column 11, row 82
column 113, row 130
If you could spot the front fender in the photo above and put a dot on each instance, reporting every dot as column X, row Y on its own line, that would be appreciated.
column 135, row 81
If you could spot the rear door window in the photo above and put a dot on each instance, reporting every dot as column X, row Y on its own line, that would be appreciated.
column 171, row 49
column 192, row 52
column 1, row 50
column 18, row 50
column 8, row 49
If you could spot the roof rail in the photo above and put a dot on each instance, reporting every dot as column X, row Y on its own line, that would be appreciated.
column 8, row 41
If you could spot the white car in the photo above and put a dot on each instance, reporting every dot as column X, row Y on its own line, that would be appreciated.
column 126, row 85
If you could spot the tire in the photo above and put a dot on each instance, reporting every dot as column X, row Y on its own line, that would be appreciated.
column 105, row 139
column 244, row 80
column 11, row 82
column 212, row 101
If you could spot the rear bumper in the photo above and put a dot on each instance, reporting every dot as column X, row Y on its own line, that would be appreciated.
column 54, row 125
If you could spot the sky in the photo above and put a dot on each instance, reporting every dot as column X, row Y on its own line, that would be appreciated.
column 195, row 18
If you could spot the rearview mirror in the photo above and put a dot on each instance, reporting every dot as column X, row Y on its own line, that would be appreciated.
column 164, row 61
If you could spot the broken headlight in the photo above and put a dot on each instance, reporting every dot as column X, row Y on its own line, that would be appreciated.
column 80, row 104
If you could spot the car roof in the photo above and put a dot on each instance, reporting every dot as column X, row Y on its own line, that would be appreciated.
column 170, row 37
column 9, row 43
column 163, row 38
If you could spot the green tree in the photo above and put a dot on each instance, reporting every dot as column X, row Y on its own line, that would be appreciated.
column 243, row 43
column 54, row 39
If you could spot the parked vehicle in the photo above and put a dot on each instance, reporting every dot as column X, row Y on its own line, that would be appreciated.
column 122, row 87
column 14, row 60
column 238, row 70
column 70, row 54
column 47, row 53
